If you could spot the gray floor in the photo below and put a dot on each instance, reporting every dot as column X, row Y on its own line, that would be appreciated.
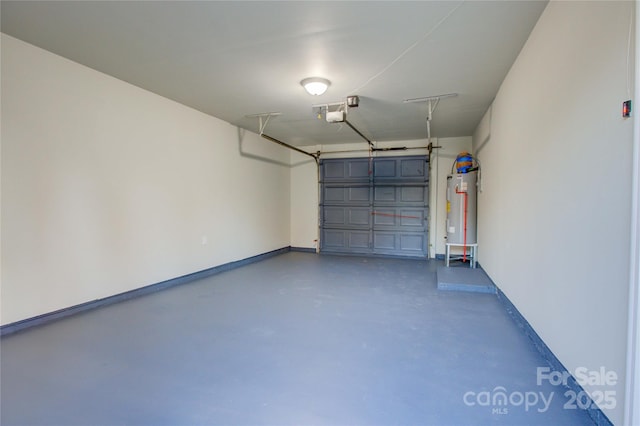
column 293, row 340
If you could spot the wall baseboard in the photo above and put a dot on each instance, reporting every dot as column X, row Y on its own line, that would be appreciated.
column 303, row 249
column 596, row 414
column 142, row 291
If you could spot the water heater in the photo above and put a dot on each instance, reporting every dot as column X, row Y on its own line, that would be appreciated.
column 462, row 192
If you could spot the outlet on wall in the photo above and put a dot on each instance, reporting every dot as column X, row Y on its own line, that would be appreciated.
column 204, row 240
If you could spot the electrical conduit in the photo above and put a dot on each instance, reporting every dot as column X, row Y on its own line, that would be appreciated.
column 464, row 243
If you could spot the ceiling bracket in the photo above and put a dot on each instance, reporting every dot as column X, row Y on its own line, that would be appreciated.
column 432, row 102
column 263, row 119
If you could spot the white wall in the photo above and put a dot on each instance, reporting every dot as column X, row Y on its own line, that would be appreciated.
column 304, row 200
column 107, row 187
column 554, row 214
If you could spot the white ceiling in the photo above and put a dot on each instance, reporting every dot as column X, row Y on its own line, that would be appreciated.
column 233, row 59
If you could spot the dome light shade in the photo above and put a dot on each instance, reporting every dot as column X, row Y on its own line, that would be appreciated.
column 315, row 85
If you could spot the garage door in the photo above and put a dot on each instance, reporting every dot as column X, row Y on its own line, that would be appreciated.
column 376, row 206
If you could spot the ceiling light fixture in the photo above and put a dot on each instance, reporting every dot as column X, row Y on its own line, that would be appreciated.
column 315, row 85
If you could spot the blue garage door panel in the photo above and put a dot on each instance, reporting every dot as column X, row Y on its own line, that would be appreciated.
column 346, row 217
column 345, row 170
column 333, row 216
column 414, row 243
column 333, row 239
column 401, row 195
column 414, row 168
column 395, row 243
column 413, row 194
column 385, row 242
column 401, row 168
column 344, row 194
column 412, row 219
column 358, row 216
column 385, row 169
column 358, row 240
column 375, row 206
column 346, row 241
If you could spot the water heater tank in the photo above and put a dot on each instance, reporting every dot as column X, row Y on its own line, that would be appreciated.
column 462, row 191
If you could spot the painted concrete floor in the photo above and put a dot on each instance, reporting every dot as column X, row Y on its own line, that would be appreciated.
column 298, row 339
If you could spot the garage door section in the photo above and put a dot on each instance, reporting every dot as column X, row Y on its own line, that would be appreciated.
column 374, row 206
